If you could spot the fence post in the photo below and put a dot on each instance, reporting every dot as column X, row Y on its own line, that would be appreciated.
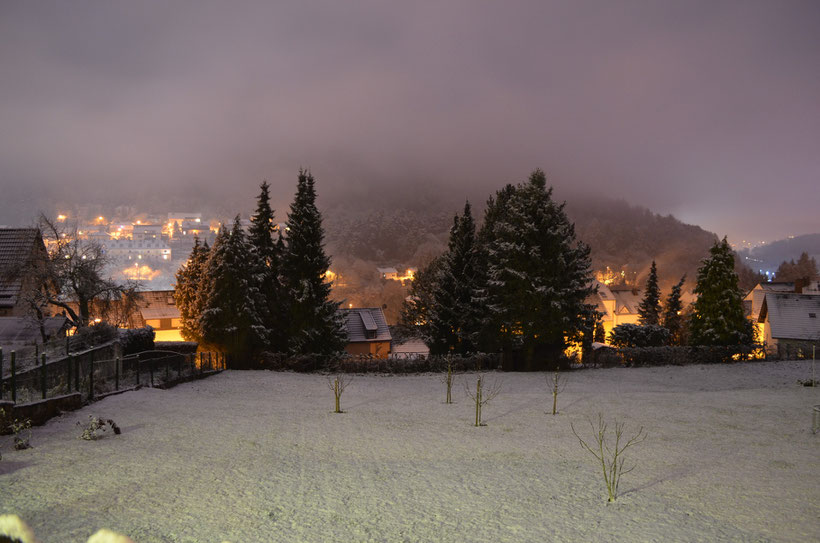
column 151, row 370
column 77, row 363
column 117, row 373
column 137, row 367
column 13, row 377
column 68, row 375
column 1, row 373
column 45, row 384
column 91, row 377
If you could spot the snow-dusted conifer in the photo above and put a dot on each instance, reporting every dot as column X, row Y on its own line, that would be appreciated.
column 672, row 318
column 718, row 318
column 538, row 275
column 649, row 310
column 416, row 310
column 315, row 324
column 187, row 290
column 268, row 251
column 230, row 317
column 455, row 316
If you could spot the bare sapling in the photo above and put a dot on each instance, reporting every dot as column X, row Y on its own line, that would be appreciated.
column 338, row 384
column 482, row 394
column 556, row 383
column 610, row 456
column 449, row 378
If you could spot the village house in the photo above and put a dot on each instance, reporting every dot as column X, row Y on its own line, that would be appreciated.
column 20, row 250
column 618, row 305
column 789, row 323
column 158, row 310
column 753, row 302
column 367, row 332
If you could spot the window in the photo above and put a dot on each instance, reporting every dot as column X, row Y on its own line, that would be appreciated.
column 812, row 315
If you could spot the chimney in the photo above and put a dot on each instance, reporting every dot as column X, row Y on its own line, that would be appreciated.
column 799, row 284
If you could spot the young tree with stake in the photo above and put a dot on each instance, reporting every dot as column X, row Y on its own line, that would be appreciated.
column 338, row 385
column 610, row 457
column 482, row 395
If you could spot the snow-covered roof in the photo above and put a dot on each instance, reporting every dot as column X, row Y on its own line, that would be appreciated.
column 158, row 304
column 17, row 246
column 15, row 330
column 387, row 270
column 360, row 320
column 792, row 316
column 627, row 300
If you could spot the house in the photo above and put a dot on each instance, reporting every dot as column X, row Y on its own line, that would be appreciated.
column 367, row 332
column 390, row 274
column 158, row 310
column 618, row 305
column 753, row 301
column 20, row 249
column 789, row 322
column 19, row 331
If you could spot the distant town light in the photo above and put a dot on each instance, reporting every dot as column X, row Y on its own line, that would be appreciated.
column 61, row 217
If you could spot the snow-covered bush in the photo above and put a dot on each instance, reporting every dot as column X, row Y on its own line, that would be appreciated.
column 636, row 335
column 136, row 340
column 95, row 426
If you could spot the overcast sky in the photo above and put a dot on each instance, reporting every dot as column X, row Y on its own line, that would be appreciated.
column 707, row 110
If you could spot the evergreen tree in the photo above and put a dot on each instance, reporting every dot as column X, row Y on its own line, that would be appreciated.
column 455, row 319
column 415, row 315
column 804, row 268
column 187, row 290
column 315, row 324
column 268, row 249
column 230, row 316
column 538, row 277
column 718, row 318
column 650, row 308
column 672, row 318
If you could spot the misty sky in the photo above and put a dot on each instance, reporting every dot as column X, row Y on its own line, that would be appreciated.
column 707, row 110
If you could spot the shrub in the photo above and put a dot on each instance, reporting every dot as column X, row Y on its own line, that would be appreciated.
column 96, row 425
column 181, row 347
column 136, row 340
column 635, row 335
column 91, row 336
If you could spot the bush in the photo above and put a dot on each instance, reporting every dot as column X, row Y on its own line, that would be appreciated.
column 181, row 347
column 344, row 363
column 635, row 335
column 91, row 336
column 137, row 340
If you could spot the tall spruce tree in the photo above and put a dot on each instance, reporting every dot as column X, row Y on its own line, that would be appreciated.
column 268, row 248
column 718, row 318
column 315, row 324
column 187, row 290
column 538, row 276
column 230, row 317
column 649, row 310
column 415, row 314
column 455, row 316
column 672, row 318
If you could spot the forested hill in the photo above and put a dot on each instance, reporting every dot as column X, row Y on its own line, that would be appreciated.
column 769, row 256
column 623, row 237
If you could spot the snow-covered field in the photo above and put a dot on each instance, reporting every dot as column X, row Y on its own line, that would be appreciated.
column 258, row 456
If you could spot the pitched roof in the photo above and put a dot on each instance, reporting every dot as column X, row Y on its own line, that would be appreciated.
column 26, row 330
column 792, row 316
column 158, row 304
column 359, row 320
column 16, row 248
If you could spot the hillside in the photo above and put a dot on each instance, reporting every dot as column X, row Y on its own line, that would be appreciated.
column 769, row 256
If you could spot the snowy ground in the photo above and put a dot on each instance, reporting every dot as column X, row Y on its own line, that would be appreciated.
column 258, row 456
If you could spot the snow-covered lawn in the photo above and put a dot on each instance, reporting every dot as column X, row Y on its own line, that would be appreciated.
column 258, row 456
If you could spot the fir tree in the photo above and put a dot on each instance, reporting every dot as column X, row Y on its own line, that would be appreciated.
column 455, row 319
column 415, row 315
column 315, row 324
column 230, row 316
column 538, row 277
column 672, row 318
column 650, row 308
column 268, row 249
column 718, row 318
column 187, row 291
